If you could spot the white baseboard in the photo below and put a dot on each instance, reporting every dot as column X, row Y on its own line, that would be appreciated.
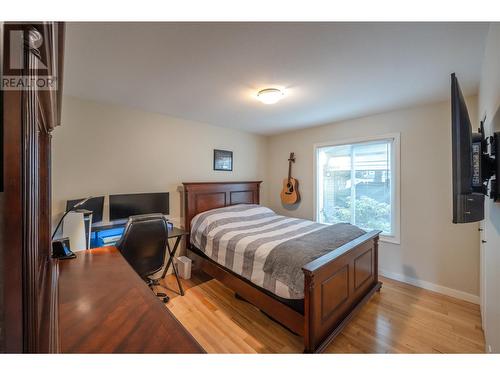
column 430, row 286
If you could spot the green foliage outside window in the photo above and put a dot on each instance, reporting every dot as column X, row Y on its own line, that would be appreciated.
column 369, row 213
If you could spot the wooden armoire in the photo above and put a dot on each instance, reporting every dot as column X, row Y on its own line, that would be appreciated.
column 28, row 275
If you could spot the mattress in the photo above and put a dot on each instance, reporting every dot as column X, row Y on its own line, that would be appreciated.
column 265, row 248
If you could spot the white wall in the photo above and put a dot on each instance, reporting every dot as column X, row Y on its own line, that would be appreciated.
column 489, row 105
column 433, row 253
column 104, row 149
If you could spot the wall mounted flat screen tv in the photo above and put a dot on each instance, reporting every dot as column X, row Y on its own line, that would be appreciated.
column 473, row 166
column 122, row 206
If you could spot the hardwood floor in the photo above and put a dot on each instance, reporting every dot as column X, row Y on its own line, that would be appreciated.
column 400, row 319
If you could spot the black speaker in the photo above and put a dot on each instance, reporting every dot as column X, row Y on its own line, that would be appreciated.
column 61, row 249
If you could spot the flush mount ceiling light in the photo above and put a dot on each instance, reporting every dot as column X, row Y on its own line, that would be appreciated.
column 270, row 96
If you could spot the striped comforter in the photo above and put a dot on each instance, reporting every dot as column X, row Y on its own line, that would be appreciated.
column 267, row 249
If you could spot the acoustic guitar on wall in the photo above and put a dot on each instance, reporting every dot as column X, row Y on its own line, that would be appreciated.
column 290, row 193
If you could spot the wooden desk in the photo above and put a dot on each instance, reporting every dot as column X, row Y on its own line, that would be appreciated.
column 105, row 307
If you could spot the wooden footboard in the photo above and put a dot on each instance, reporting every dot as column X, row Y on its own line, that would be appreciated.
column 336, row 286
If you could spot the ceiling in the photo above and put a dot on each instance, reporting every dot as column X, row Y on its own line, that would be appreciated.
column 210, row 72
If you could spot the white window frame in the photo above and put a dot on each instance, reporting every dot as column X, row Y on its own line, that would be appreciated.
column 395, row 172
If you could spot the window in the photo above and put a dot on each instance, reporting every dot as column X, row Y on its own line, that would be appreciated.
column 357, row 182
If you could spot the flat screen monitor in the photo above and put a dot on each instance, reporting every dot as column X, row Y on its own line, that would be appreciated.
column 122, row 206
column 94, row 204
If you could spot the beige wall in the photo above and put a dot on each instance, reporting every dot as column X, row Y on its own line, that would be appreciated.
column 489, row 106
column 433, row 252
column 104, row 149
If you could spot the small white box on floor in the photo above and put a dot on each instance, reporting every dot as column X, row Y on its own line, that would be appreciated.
column 183, row 264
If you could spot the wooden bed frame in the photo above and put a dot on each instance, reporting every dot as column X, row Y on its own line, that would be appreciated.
column 336, row 284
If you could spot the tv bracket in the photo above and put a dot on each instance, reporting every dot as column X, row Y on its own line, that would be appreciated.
column 490, row 165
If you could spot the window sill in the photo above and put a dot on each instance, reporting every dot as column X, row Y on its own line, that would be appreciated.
column 390, row 239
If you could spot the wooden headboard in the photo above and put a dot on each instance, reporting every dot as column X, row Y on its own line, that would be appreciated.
column 204, row 196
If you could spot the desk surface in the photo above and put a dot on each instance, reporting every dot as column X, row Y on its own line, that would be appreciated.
column 105, row 307
column 172, row 232
column 100, row 226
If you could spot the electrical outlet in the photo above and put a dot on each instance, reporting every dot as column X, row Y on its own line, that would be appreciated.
column 489, row 349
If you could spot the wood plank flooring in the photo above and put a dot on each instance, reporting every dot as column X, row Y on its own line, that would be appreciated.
column 400, row 319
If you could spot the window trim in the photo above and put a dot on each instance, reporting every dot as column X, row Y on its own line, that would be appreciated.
column 395, row 169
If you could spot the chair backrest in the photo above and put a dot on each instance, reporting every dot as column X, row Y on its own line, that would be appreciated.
column 144, row 243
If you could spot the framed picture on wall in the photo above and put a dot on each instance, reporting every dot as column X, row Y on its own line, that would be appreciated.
column 223, row 160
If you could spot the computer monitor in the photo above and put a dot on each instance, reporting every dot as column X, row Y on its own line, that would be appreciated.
column 94, row 204
column 122, row 206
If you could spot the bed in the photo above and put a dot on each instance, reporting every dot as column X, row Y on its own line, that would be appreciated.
column 309, row 277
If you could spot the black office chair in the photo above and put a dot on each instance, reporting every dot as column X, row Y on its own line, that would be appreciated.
column 143, row 244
